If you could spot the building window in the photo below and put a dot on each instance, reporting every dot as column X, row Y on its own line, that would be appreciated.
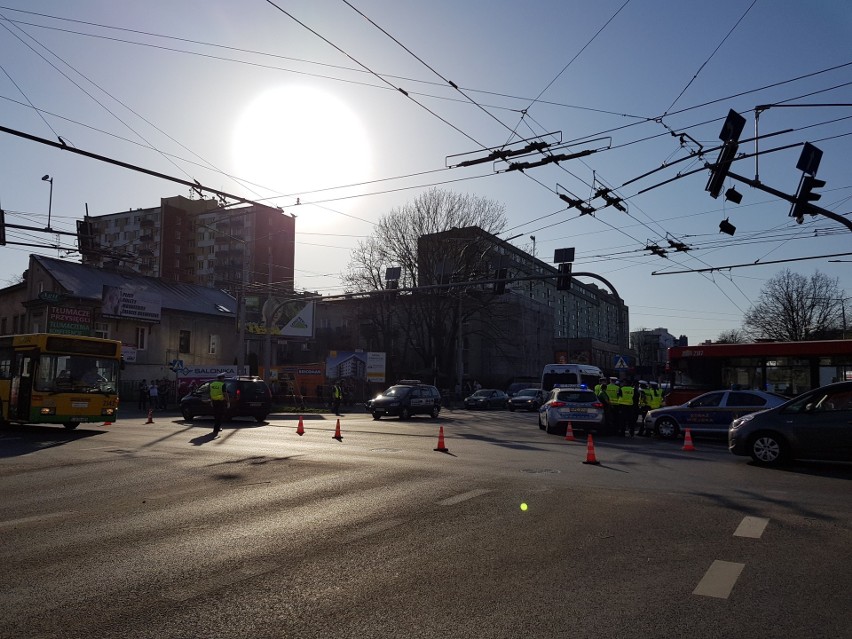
column 101, row 330
column 141, row 338
column 213, row 346
column 183, row 342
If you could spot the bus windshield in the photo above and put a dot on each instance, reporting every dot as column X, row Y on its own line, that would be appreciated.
column 76, row 373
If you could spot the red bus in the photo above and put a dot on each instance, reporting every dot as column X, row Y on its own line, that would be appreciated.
column 788, row 368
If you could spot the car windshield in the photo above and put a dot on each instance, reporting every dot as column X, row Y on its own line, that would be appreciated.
column 397, row 391
column 529, row 392
column 482, row 393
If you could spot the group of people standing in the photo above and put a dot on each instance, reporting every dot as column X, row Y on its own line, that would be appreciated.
column 625, row 402
column 153, row 395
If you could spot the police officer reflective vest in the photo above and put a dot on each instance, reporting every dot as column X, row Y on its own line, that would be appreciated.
column 626, row 398
column 217, row 391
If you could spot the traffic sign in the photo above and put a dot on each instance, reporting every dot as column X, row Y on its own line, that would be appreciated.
column 619, row 363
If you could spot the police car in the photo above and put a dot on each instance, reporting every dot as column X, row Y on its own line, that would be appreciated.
column 408, row 397
column 571, row 403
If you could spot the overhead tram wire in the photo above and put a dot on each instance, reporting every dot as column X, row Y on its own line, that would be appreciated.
column 209, row 165
column 710, row 57
column 469, row 89
column 449, row 82
column 363, row 66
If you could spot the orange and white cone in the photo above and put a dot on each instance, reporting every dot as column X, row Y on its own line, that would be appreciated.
column 569, row 433
column 337, row 434
column 150, row 416
column 441, row 446
column 687, row 441
column 590, row 452
column 300, row 430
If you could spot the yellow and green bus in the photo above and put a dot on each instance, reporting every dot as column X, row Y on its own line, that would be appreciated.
column 58, row 379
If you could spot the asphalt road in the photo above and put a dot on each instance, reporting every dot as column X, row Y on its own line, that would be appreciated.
column 159, row 530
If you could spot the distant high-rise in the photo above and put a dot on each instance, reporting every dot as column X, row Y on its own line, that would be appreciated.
column 199, row 242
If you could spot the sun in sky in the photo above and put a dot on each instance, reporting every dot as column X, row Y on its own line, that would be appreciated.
column 296, row 140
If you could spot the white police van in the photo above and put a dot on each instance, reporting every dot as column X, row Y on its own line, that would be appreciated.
column 569, row 375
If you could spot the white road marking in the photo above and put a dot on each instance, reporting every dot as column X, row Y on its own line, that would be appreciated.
column 217, row 582
column 463, row 497
column 751, row 527
column 719, row 579
column 372, row 529
column 35, row 519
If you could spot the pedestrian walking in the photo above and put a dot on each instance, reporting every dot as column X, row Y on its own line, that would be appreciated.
column 221, row 400
column 143, row 394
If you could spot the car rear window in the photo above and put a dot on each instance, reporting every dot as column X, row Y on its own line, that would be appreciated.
column 576, row 396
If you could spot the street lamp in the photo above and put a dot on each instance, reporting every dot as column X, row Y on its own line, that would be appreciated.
column 47, row 178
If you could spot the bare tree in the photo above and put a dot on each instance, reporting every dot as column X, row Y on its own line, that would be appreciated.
column 793, row 307
column 427, row 321
column 732, row 336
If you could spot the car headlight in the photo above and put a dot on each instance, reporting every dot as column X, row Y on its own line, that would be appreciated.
column 739, row 421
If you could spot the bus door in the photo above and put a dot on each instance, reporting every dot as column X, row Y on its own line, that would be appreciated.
column 20, row 396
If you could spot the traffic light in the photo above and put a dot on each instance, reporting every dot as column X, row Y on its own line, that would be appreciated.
column 2, row 227
column 85, row 237
column 805, row 196
column 500, row 285
column 730, row 136
column 563, row 280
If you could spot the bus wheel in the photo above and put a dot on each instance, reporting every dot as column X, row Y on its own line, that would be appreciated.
column 71, row 425
column 666, row 428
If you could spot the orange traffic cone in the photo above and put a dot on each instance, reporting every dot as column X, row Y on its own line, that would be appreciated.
column 337, row 434
column 687, row 441
column 150, row 416
column 590, row 452
column 441, row 447
column 569, row 433
column 300, row 430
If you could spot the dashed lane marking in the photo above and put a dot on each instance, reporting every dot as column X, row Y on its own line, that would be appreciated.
column 35, row 519
column 719, row 579
column 463, row 497
column 752, row 527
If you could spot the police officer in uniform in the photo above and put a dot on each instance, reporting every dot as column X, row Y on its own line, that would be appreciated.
column 220, row 399
column 626, row 409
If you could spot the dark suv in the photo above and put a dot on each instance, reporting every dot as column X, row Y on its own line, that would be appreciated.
column 407, row 398
column 250, row 397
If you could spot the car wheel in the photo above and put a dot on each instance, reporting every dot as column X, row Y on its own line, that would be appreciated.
column 434, row 413
column 260, row 418
column 540, row 425
column 547, row 428
column 666, row 428
column 377, row 416
column 187, row 416
column 404, row 413
column 768, row 449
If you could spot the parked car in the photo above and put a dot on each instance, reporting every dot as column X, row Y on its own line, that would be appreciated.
column 486, row 398
column 405, row 399
column 580, row 406
column 815, row 425
column 710, row 413
column 250, row 397
column 526, row 399
column 514, row 387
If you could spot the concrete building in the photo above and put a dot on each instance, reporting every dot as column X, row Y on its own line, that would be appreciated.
column 650, row 347
column 197, row 242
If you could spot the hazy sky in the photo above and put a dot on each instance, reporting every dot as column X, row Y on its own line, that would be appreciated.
column 307, row 99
